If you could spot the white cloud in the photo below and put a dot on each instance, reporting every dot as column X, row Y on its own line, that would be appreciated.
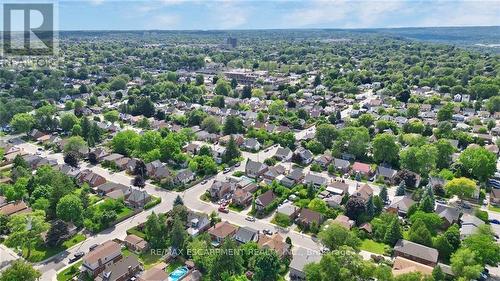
column 163, row 22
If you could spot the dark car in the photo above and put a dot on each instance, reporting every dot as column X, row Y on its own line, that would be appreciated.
column 76, row 256
column 495, row 221
column 91, row 248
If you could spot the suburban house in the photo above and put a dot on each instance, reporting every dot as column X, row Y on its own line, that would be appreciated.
column 102, row 257
column 264, row 200
column 184, row 176
column 122, row 270
column 316, row 180
column 305, row 155
column 300, row 258
column 323, row 160
column 246, row 234
column 341, row 165
column 14, row 208
column 242, row 198
column 274, row 242
column 91, row 178
column 364, row 192
column 289, row 210
column 137, row 198
column 362, row 169
column 283, row 154
column 385, row 173
column 136, row 243
column 157, row 170
column 469, row 225
column 219, row 189
column 221, row 231
column 337, row 188
column 255, row 169
column 495, row 197
column 449, row 215
column 402, row 265
column 294, row 176
column 197, row 223
column 307, row 217
column 251, row 144
column 400, row 205
column 154, row 273
column 416, row 252
column 344, row 221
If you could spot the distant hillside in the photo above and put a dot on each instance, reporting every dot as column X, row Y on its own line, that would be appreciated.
column 485, row 38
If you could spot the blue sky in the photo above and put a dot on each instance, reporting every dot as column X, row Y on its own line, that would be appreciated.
column 265, row 14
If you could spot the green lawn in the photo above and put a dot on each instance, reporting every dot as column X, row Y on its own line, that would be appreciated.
column 136, row 232
column 69, row 272
column 173, row 265
column 236, row 208
column 42, row 252
column 147, row 259
column 494, row 209
column 372, row 246
column 126, row 211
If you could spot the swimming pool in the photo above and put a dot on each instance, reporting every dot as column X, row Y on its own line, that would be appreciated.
column 178, row 273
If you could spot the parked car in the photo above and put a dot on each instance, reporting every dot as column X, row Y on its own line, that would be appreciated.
column 203, row 181
column 495, row 221
column 91, row 248
column 267, row 231
column 226, row 170
column 76, row 256
column 252, row 219
column 237, row 164
column 223, row 210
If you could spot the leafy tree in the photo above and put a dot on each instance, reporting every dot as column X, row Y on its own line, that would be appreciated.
column 420, row 234
column 222, row 88
column 124, row 142
column 443, row 246
column 385, row 149
column 478, row 162
column 461, row 187
column 197, row 249
column 111, row 116
column 74, row 145
column 483, row 244
column 233, row 125
column 20, row 270
column 393, row 233
column 203, row 165
column 355, row 208
column 22, row 122
column 431, row 220
column 335, row 235
column 70, row 209
column 353, row 140
column 227, row 261
column 420, row 160
column 156, row 231
column 71, row 159
column 409, row 178
column 68, row 121
column 326, row 134
column 267, row 266
column 246, row 93
column 438, row 274
column 45, row 118
column 341, row 264
column 56, row 234
column 464, row 264
column 26, row 230
column 318, row 205
column 178, row 234
column 445, row 112
column 444, row 152
column 211, row 124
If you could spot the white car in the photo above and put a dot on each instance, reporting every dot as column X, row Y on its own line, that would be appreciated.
column 252, row 219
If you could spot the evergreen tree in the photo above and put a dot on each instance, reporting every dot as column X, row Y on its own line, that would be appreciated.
column 426, row 204
column 370, row 208
column 438, row 274
column 383, row 194
column 85, row 124
column 393, row 233
column 420, row 234
column 232, row 151
column 178, row 201
column 57, row 233
column 178, row 234
column 401, row 189
column 155, row 230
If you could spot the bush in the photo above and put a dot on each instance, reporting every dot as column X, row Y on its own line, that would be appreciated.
column 482, row 215
column 152, row 203
column 282, row 220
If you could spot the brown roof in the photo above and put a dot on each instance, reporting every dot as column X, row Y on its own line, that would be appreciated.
column 308, row 216
column 223, row 229
column 274, row 242
column 13, row 208
column 416, row 250
column 133, row 239
column 154, row 274
column 102, row 251
column 403, row 266
column 267, row 197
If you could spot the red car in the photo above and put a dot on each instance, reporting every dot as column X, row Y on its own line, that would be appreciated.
column 223, row 210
